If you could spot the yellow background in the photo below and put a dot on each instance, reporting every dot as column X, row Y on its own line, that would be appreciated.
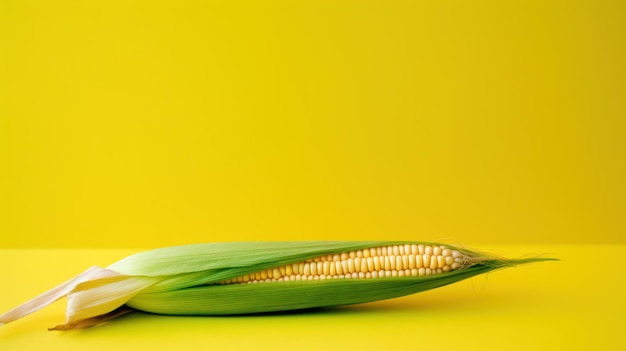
column 151, row 123
column 137, row 124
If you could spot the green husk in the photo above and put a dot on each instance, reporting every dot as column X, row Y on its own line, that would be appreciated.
column 212, row 257
column 181, row 280
column 295, row 295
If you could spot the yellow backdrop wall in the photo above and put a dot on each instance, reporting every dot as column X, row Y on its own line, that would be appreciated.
column 151, row 123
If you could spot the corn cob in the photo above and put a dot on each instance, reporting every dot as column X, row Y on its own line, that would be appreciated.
column 256, row 277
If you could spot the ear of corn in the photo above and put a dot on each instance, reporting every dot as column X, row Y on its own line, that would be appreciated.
column 255, row 277
column 292, row 295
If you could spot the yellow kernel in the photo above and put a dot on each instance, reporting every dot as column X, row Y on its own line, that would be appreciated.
column 414, row 272
column 379, row 251
column 426, row 260
column 367, row 253
column 326, row 268
column 377, row 265
column 449, row 260
column 387, row 263
column 350, row 265
column 361, row 275
column 446, row 252
column 433, row 262
column 441, row 261
column 420, row 249
column 339, row 267
column 455, row 265
column 436, row 250
column 336, row 257
column 345, row 266
column 313, row 268
column 332, row 269
column 401, row 273
column 359, row 253
column 374, row 274
column 418, row 261
column 428, row 250
column 446, row 268
column 399, row 263
column 411, row 261
column 288, row 270
column 370, row 264
column 414, row 249
column 357, row 264
column 307, row 270
column 344, row 256
column 352, row 254
column 384, row 251
column 364, row 265
column 422, row 271
column 405, row 261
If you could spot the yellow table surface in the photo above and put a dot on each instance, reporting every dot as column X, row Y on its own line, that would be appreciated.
column 577, row 303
